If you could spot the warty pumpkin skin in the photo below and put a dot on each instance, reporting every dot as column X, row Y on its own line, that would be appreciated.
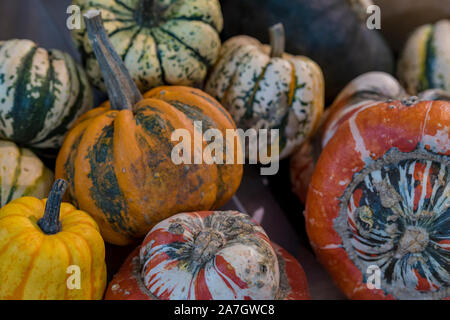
column 379, row 196
column 118, row 160
column 39, row 240
column 41, row 94
column 425, row 60
column 161, row 42
column 264, row 88
column 21, row 174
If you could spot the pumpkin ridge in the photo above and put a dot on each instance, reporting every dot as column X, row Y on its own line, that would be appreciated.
column 430, row 60
column 90, row 255
column 159, row 56
column 191, row 49
column 16, row 176
column 105, row 190
column 21, row 287
column 123, row 5
column 132, row 38
column 249, row 103
column 196, row 18
column 23, row 74
column 77, row 105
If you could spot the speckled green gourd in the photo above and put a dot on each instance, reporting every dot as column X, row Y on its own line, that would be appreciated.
column 160, row 41
column 264, row 88
column 41, row 94
column 425, row 60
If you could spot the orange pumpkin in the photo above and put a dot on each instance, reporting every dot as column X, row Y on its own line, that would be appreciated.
column 117, row 157
column 379, row 198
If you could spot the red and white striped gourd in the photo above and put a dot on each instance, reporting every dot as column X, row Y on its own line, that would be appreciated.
column 379, row 195
column 209, row 255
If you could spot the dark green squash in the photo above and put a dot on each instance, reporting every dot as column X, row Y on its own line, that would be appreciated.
column 331, row 32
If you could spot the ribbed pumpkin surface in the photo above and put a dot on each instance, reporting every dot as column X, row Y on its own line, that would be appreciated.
column 164, row 42
column 21, row 174
column 41, row 94
column 425, row 60
column 262, row 92
column 33, row 265
column 119, row 164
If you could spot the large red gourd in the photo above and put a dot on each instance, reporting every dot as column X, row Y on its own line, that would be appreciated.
column 380, row 196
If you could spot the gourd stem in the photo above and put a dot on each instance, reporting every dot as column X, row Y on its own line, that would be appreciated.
column 50, row 223
column 122, row 91
column 277, row 40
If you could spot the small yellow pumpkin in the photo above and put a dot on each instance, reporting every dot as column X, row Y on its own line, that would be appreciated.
column 45, row 245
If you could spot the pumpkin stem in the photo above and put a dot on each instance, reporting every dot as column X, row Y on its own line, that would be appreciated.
column 277, row 40
column 122, row 91
column 50, row 223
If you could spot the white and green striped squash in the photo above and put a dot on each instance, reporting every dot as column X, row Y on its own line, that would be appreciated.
column 425, row 60
column 22, row 173
column 160, row 41
column 264, row 88
column 41, row 94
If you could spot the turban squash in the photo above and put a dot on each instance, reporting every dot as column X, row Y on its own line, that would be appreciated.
column 379, row 197
column 331, row 32
column 161, row 42
column 264, row 88
column 425, row 60
column 21, row 174
column 208, row 255
column 363, row 90
column 117, row 157
column 41, row 94
column 40, row 240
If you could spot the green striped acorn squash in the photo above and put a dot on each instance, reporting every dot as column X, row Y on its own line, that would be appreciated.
column 265, row 88
column 41, row 94
column 425, row 60
column 160, row 41
column 22, row 174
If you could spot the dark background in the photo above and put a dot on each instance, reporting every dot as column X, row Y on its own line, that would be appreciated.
column 277, row 208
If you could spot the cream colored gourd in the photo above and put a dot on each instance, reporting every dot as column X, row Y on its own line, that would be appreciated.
column 22, row 173
column 264, row 88
column 425, row 60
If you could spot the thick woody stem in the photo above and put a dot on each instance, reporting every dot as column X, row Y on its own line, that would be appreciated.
column 122, row 91
column 277, row 40
column 50, row 223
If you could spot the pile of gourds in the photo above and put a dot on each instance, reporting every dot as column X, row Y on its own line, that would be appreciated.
column 374, row 169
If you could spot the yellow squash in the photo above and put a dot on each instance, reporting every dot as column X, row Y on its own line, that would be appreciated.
column 50, row 250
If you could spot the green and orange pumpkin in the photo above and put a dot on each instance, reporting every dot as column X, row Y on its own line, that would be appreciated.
column 118, row 157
